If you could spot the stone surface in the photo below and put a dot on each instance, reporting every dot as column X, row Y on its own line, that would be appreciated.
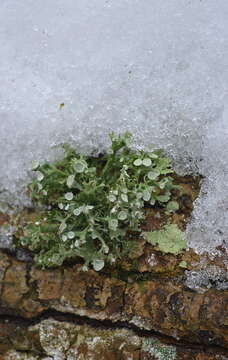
column 57, row 340
column 162, row 304
column 148, row 291
column 15, row 285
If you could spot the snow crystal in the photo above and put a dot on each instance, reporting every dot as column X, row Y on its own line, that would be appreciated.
column 72, row 71
column 211, row 277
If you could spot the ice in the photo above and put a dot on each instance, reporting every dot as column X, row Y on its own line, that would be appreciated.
column 155, row 68
column 204, row 279
column 210, row 221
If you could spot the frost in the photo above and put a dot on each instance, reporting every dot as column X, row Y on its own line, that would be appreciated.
column 210, row 277
column 77, row 70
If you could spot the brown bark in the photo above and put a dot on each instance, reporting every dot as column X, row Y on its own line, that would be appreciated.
column 165, row 306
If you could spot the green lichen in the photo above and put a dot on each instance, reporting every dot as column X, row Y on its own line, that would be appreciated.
column 158, row 350
column 91, row 204
column 169, row 240
column 183, row 264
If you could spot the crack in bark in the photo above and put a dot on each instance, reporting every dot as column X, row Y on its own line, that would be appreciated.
column 109, row 325
column 45, row 289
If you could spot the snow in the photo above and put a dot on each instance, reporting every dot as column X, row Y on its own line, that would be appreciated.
column 155, row 68
column 204, row 279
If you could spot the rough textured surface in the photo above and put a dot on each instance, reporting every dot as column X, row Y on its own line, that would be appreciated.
column 201, row 271
column 122, row 311
column 52, row 339
column 168, row 307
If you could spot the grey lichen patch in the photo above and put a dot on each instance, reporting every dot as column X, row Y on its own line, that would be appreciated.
column 158, row 350
column 6, row 236
column 18, row 355
column 141, row 322
column 55, row 338
column 64, row 340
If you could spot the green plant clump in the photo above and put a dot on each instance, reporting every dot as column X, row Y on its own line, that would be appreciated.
column 90, row 203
